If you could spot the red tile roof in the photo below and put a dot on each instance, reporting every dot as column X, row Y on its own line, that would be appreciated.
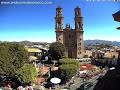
column 85, row 67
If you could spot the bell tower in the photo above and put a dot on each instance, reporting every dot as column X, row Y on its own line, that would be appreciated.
column 59, row 19
column 78, row 19
column 79, row 32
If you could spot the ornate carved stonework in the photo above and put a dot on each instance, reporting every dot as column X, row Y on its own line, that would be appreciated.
column 71, row 38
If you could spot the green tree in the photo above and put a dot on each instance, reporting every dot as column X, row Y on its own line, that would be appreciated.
column 68, row 68
column 27, row 73
column 57, row 50
column 67, row 71
column 69, row 61
column 12, row 57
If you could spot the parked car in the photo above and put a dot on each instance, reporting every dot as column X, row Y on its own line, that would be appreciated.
column 86, row 85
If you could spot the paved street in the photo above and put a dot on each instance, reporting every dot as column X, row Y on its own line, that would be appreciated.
column 79, row 82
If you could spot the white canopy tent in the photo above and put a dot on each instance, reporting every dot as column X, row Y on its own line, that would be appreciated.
column 55, row 80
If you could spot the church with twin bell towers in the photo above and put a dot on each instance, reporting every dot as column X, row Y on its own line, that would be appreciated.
column 72, row 39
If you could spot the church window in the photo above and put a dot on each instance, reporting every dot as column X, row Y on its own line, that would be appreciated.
column 58, row 13
column 78, row 12
column 79, row 24
column 69, row 36
column 59, row 39
column 79, row 48
column 79, row 40
column 79, row 53
column 79, row 44
column 59, row 25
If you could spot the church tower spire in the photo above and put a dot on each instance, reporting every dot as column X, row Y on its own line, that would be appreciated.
column 59, row 20
column 78, row 19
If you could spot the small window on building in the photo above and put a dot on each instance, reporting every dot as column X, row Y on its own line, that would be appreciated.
column 78, row 13
column 59, row 25
column 79, row 53
column 79, row 39
column 69, row 36
column 58, row 13
column 59, row 39
column 79, row 48
column 79, row 24
column 79, row 44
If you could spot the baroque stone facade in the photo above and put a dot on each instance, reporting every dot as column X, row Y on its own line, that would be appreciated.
column 71, row 38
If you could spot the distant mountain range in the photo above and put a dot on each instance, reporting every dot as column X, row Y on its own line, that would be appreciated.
column 87, row 42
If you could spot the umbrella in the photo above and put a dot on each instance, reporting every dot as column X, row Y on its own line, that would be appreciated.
column 55, row 80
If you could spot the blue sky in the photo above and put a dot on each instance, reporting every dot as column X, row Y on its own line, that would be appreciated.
column 36, row 22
